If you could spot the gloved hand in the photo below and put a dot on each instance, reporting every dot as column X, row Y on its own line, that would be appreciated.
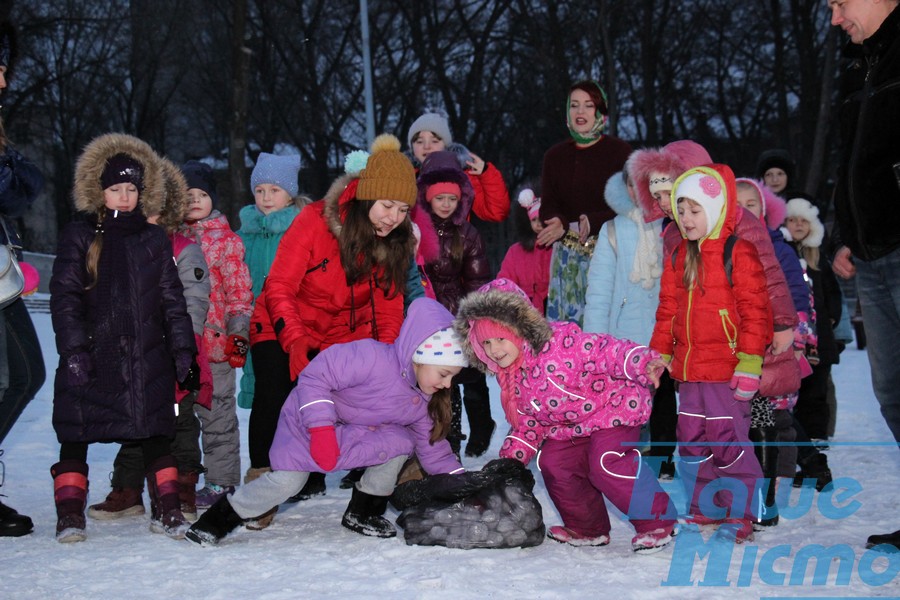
column 191, row 381
column 745, row 385
column 80, row 369
column 298, row 359
column 236, row 348
column 323, row 446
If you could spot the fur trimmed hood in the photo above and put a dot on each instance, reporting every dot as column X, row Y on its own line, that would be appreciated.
column 616, row 195
column 343, row 190
column 86, row 191
column 803, row 208
column 774, row 210
column 672, row 159
column 176, row 200
column 503, row 302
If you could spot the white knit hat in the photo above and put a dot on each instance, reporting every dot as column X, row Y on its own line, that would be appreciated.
column 803, row 208
column 443, row 348
column 433, row 122
column 705, row 190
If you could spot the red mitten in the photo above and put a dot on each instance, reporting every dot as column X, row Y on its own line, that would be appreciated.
column 323, row 446
column 745, row 386
column 236, row 348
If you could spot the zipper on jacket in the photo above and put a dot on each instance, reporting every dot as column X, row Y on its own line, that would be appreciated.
column 726, row 321
column 322, row 265
column 687, row 332
column 871, row 63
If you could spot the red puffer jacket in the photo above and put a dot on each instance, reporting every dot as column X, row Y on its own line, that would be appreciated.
column 306, row 299
column 705, row 329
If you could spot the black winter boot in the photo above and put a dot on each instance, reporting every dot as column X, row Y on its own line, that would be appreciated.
column 12, row 524
column 477, row 401
column 218, row 521
column 768, row 460
column 315, row 486
column 70, row 488
column 813, row 467
column 890, row 539
column 365, row 513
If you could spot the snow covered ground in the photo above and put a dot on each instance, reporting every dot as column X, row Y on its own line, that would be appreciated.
column 306, row 553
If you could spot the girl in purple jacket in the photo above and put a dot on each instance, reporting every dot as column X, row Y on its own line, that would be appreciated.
column 361, row 404
column 576, row 401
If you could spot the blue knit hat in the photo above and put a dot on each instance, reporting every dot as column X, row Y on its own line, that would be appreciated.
column 200, row 175
column 277, row 170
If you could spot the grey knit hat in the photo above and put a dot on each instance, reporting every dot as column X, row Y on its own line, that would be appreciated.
column 432, row 122
column 277, row 170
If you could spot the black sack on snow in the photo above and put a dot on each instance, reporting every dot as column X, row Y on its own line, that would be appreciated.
column 491, row 508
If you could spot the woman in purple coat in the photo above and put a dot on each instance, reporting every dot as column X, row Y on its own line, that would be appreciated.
column 361, row 404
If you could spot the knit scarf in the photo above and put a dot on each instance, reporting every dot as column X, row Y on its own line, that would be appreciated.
column 114, row 316
column 647, row 265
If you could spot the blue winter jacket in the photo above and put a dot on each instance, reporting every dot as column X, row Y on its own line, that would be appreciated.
column 614, row 305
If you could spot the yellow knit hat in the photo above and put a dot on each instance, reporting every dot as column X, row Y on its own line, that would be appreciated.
column 389, row 175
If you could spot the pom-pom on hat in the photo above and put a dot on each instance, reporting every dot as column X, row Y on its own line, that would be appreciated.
column 389, row 175
column 276, row 170
column 443, row 348
column 433, row 122
column 804, row 209
column 122, row 168
column 355, row 162
column 530, row 202
column 200, row 175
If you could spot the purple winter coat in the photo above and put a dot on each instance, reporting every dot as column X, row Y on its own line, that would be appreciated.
column 451, row 279
column 368, row 391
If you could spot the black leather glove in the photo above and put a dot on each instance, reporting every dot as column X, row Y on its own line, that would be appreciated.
column 191, row 381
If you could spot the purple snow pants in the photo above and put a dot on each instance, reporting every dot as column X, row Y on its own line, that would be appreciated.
column 579, row 472
column 713, row 444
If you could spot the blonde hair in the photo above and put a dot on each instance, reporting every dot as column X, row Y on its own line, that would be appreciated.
column 810, row 255
column 693, row 262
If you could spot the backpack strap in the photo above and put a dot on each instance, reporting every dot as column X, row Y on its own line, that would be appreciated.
column 726, row 257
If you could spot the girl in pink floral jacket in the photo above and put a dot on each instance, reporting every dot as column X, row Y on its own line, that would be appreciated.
column 225, row 334
column 577, row 401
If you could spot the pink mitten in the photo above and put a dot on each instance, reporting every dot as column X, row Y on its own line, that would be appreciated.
column 323, row 446
column 745, row 385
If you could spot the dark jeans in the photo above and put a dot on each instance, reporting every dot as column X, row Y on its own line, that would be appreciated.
column 273, row 384
column 21, row 364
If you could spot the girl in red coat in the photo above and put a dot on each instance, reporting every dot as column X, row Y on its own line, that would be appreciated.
column 713, row 329
column 339, row 275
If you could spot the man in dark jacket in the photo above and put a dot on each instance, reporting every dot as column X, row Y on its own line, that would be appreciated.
column 867, row 196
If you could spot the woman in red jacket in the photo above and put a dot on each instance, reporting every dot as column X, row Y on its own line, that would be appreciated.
column 339, row 275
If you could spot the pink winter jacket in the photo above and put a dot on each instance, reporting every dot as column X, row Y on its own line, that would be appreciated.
column 575, row 384
column 231, row 298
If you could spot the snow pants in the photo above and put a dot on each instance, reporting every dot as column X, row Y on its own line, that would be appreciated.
column 580, row 472
column 714, row 443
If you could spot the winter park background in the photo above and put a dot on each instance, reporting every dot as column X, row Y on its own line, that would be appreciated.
column 307, row 554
